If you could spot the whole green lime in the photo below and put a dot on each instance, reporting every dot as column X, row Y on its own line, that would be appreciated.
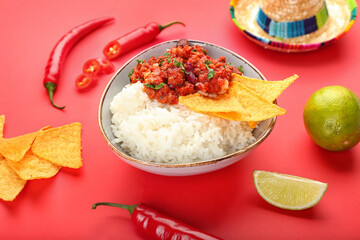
column 332, row 118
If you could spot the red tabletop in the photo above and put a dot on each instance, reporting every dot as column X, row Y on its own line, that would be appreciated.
column 224, row 203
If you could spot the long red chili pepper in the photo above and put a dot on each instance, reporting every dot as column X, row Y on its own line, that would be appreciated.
column 155, row 225
column 134, row 39
column 62, row 48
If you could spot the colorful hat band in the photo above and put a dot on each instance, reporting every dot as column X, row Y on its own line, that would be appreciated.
column 292, row 29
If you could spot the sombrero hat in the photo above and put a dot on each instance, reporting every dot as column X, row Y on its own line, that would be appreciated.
column 293, row 25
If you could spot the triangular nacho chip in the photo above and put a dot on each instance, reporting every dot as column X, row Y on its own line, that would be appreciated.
column 10, row 183
column 269, row 90
column 247, row 99
column 14, row 149
column 32, row 167
column 226, row 102
column 255, row 107
column 60, row 145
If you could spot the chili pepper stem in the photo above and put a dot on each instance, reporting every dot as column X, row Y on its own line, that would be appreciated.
column 130, row 208
column 162, row 27
column 50, row 87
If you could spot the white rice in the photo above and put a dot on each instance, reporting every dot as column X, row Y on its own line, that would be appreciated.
column 155, row 132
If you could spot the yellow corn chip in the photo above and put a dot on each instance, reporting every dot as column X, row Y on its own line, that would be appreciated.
column 247, row 99
column 14, row 149
column 10, row 183
column 226, row 102
column 269, row 90
column 2, row 122
column 255, row 107
column 31, row 167
column 60, row 145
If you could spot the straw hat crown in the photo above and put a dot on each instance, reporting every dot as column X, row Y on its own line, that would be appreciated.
column 291, row 10
column 291, row 18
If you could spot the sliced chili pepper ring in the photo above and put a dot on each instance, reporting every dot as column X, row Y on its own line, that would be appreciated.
column 83, row 81
column 106, row 66
column 92, row 67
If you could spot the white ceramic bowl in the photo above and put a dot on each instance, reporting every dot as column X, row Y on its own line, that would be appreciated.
column 120, row 79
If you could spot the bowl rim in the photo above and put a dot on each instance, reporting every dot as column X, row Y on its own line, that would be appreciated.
column 260, row 139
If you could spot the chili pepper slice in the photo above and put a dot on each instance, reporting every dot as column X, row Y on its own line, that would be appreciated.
column 98, row 66
column 84, row 81
column 134, row 39
column 155, row 225
column 61, row 50
column 92, row 67
column 106, row 66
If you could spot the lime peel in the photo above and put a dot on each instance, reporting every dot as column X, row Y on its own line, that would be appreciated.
column 288, row 191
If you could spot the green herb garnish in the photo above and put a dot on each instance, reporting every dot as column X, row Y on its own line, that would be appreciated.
column 240, row 68
column 167, row 54
column 211, row 72
column 154, row 86
column 140, row 61
column 131, row 73
column 161, row 62
column 181, row 65
column 178, row 64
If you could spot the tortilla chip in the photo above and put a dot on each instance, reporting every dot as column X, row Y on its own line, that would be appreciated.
column 226, row 102
column 31, row 167
column 255, row 107
column 269, row 90
column 247, row 99
column 2, row 122
column 10, row 183
column 14, row 149
column 61, row 145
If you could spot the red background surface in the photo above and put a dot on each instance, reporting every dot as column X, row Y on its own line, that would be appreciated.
column 224, row 203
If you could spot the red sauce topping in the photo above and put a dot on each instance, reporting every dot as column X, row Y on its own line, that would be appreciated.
column 183, row 70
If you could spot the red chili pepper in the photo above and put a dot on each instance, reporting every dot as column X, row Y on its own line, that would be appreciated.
column 62, row 48
column 155, row 225
column 134, row 39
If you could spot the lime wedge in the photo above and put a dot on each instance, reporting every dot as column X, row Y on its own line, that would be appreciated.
column 287, row 191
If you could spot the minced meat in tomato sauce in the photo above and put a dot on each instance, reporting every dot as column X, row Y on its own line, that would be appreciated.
column 183, row 70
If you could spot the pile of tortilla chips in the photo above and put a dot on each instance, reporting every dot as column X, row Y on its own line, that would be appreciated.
column 37, row 155
column 247, row 99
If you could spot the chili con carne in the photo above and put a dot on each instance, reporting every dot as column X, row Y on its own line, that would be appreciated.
column 155, row 225
column 134, row 39
column 60, row 51
column 184, row 69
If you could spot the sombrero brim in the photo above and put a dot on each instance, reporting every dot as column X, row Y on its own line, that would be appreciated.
column 342, row 14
